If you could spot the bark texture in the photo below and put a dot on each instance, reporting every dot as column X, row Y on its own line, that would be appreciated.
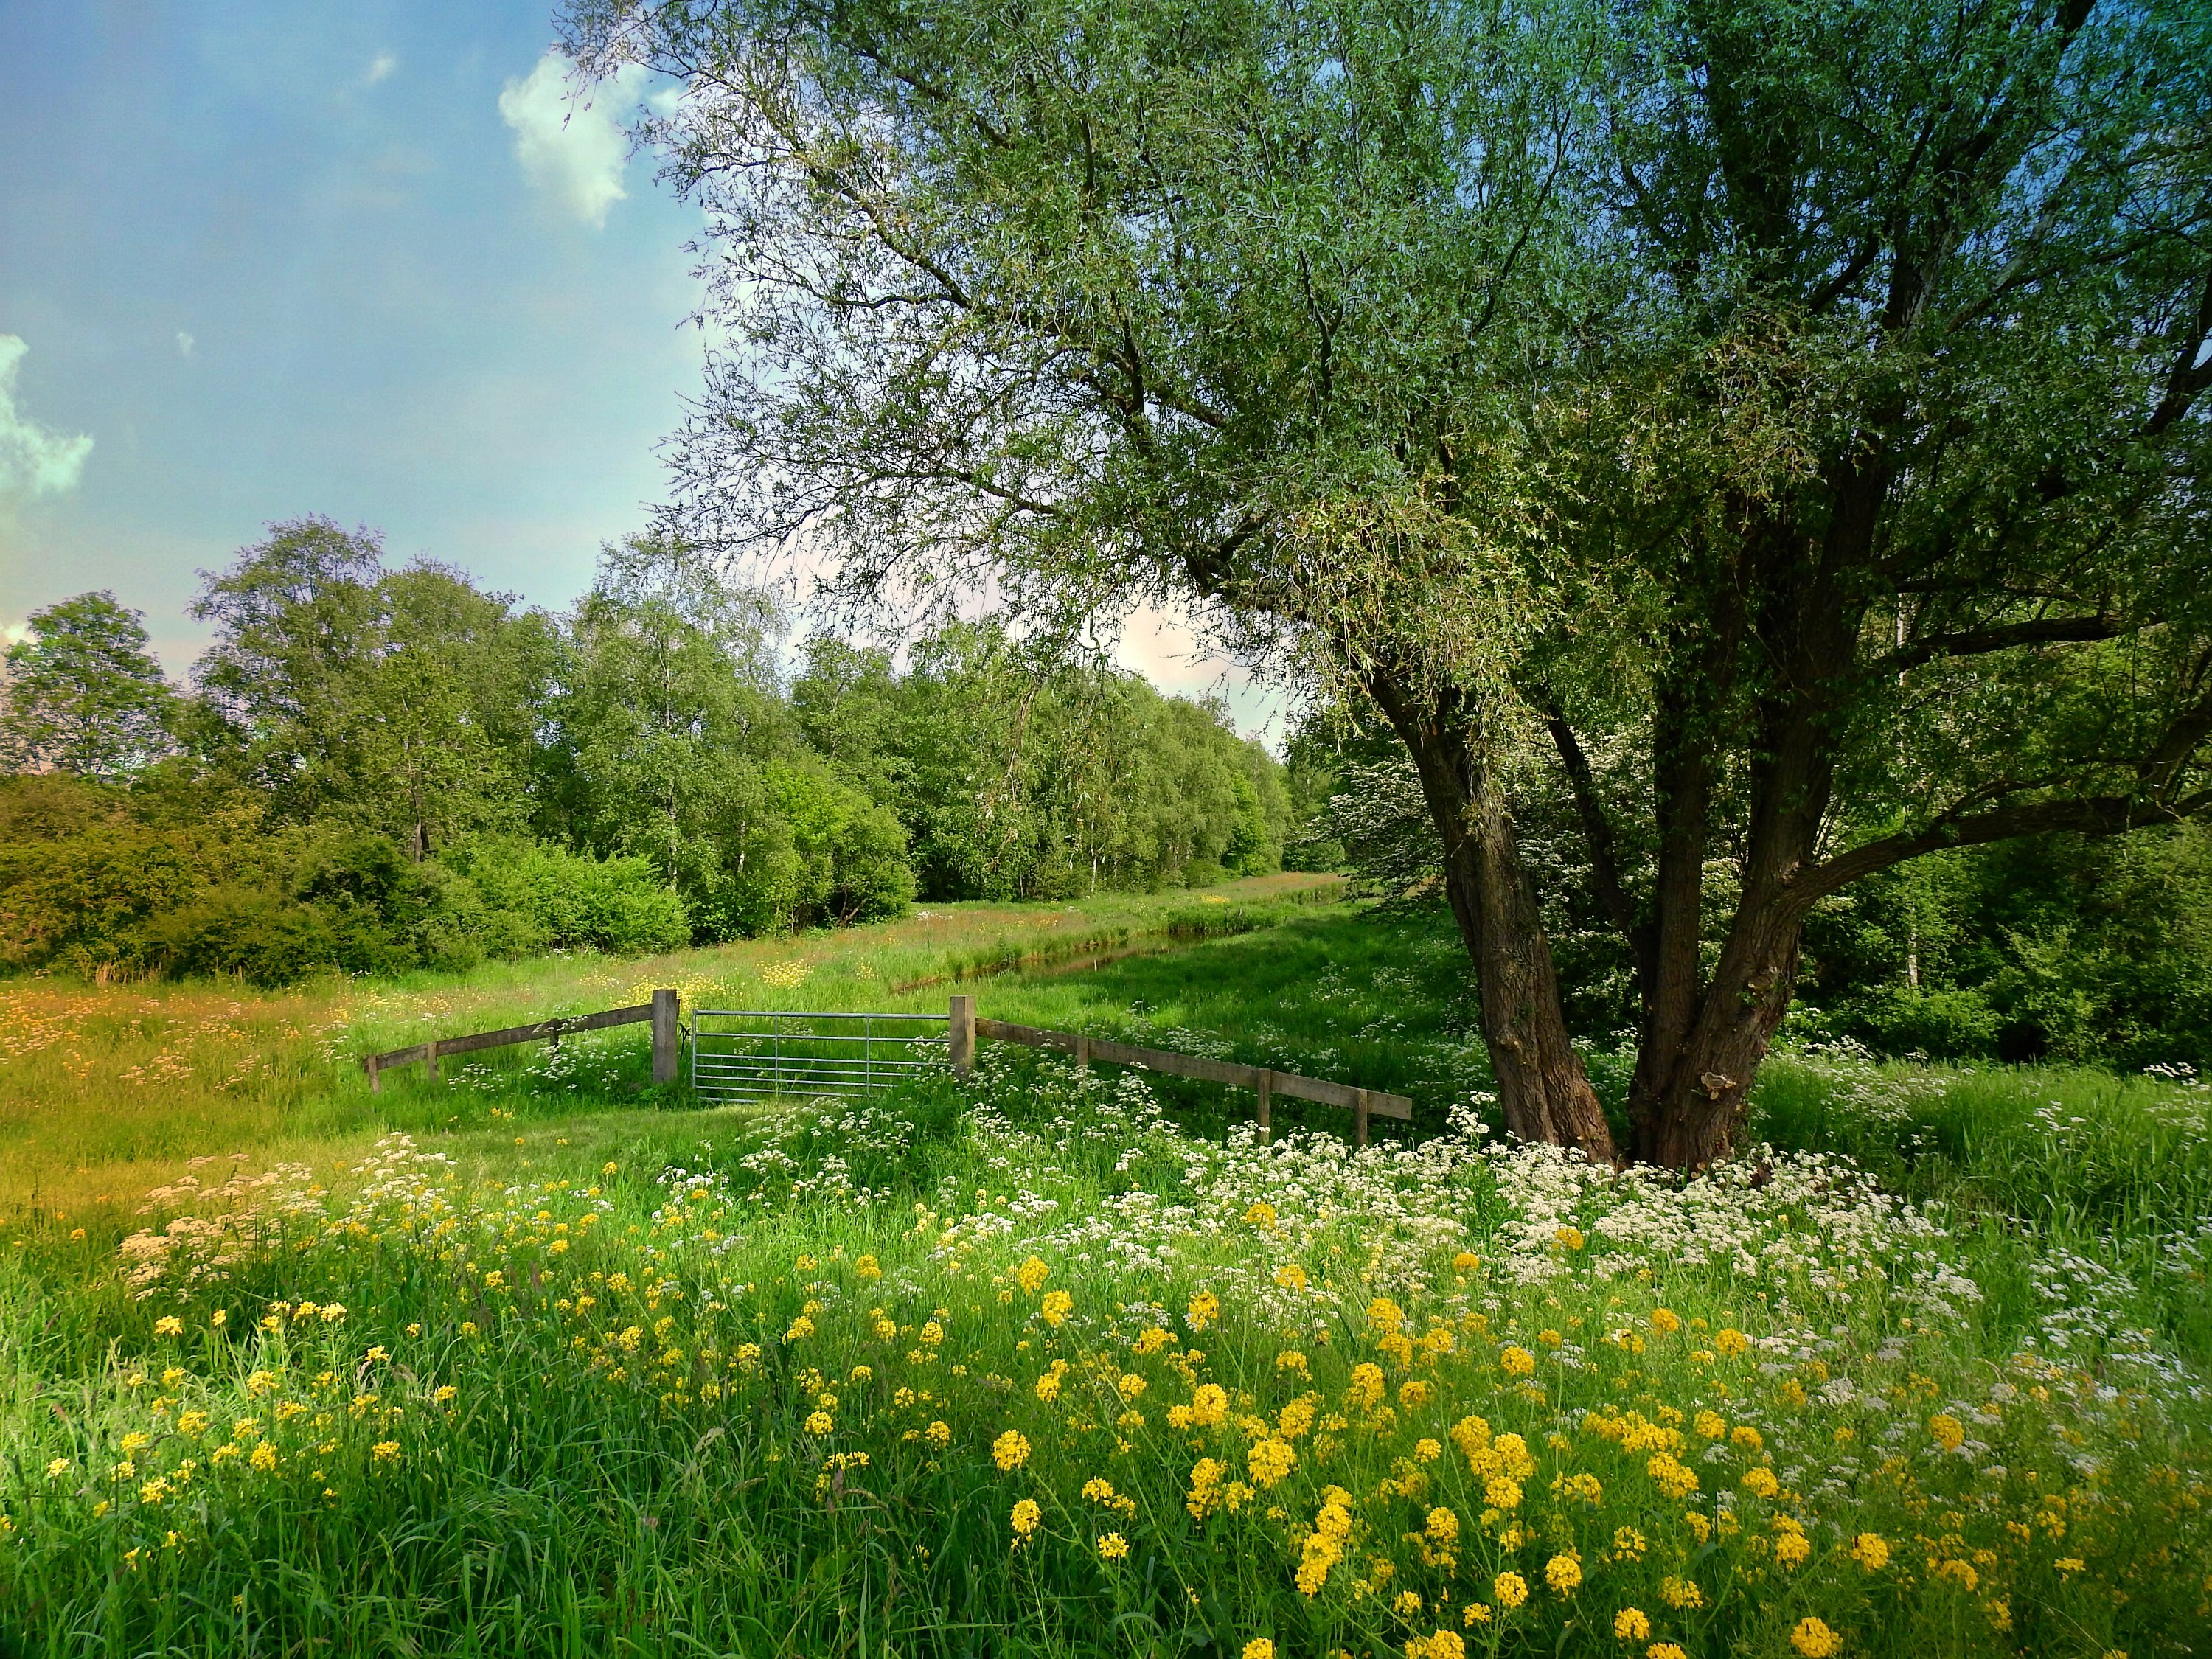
column 1542, row 1088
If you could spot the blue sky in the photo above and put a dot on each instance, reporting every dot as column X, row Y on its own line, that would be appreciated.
column 368, row 261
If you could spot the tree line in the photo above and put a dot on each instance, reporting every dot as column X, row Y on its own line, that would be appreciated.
column 375, row 767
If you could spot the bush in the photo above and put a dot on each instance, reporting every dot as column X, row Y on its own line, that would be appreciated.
column 536, row 897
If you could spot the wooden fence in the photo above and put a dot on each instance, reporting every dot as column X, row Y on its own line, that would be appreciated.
column 964, row 1029
column 661, row 1010
column 1363, row 1103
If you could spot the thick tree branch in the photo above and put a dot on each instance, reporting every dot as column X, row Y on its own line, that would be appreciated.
column 1981, row 641
column 2092, row 815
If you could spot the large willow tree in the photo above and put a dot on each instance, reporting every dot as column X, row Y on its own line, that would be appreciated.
column 1782, row 417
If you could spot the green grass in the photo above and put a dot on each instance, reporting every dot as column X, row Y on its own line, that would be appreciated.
column 694, row 1389
column 107, row 1090
column 810, row 1394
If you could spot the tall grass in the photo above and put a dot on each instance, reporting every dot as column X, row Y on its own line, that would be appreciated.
column 2058, row 1172
column 1021, row 1368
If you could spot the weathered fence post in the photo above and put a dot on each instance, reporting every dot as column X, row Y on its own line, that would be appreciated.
column 961, row 1034
column 1266, row 1091
column 1359, row 1120
column 375, row 1077
column 434, row 1056
column 667, row 1038
column 1083, row 1050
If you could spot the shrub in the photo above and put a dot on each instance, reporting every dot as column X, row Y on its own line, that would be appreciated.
column 537, row 897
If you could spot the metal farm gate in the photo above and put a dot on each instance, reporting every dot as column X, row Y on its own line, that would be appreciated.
column 757, row 1053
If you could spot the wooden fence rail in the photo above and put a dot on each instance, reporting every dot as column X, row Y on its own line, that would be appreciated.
column 662, row 1011
column 1363, row 1103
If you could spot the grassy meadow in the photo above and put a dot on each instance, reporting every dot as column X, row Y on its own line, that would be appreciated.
column 110, row 1090
column 525, row 1360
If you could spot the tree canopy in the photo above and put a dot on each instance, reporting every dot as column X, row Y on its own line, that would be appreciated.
column 1778, row 424
column 83, row 694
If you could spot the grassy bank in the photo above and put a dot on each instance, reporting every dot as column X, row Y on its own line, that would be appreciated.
column 521, row 1361
column 1020, row 1367
column 106, row 1090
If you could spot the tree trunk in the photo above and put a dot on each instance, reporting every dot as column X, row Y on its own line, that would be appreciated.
column 1542, row 1089
column 1693, row 1093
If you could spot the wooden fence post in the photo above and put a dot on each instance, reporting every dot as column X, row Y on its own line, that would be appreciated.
column 434, row 1056
column 375, row 1077
column 667, row 1036
column 960, row 1040
column 1266, row 1132
column 1359, row 1120
column 1083, row 1051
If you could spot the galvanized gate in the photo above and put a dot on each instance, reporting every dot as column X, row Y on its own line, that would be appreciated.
column 757, row 1054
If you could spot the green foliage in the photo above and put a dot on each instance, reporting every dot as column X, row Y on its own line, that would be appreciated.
column 1021, row 774
column 83, row 694
column 2076, row 949
column 386, row 769
column 95, row 880
column 402, row 700
column 537, row 897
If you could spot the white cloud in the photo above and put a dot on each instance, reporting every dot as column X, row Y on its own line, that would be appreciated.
column 33, row 461
column 570, row 148
column 185, row 343
column 380, row 66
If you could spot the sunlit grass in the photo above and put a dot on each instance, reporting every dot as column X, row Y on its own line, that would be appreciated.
column 104, row 1091
column 1023, row 1368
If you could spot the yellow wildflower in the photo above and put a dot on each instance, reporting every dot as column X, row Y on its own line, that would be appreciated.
column 1630, row 1625
column 1112, row 1547
column 1032, row 1276
column 1947, row 1430
column 1516, row 1361
column 1269, row 1460
column 1026, row 1516
column 1010, row 1450
column 1564, row 1573
column 1205, row 1310
column 1258, row 1647
column 1814, row 1639
column 1056, row 1307
column 1510, row 1589
column 1261, row 1215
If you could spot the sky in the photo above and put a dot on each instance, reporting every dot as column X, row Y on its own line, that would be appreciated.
column 378, row 261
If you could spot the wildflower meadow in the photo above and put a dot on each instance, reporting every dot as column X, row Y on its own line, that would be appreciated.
column 1016, row 1363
